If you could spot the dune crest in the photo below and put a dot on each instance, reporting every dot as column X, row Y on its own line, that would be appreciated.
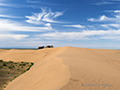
column 48, row 73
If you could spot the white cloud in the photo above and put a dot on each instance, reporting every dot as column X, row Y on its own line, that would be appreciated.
column 7, row 25
column 117, row 11
column 111, row 37
column 103, row 3
column 80, row 35
column 32, row 1
column 102, row 18
column 110, row 25
column 115, row 25
column 115, row 0
column 76, row 26
column 12, row 36
column 43, row 17
column 105, row 26
column 48, row 25
column 8, row 16
column 57, row 14
column 5, row 5
column 115, row 18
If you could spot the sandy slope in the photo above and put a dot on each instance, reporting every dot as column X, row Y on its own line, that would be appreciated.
column 67, row 68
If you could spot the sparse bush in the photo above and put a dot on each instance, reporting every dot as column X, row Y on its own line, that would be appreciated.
column 27, row 62
column 1, row 66
column 28, row 69
column 4, row 82
column 11, row 62
column 32, row 63
column 11, row 67
column 17, row 68
column 4, row 64
column 1, row 60
column 15, row 76
column 23, row 64
column 24, row 71
column 15, row 63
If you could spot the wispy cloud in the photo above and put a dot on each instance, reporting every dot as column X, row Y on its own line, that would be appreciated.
column 42, row 2
column 76, row 26
column 106, row 2
column 12, row 36
column 102, row 18
column 9, row 16
column 115, row 18
column 111, row 26
column 6, row 5
column 111, row 37
column 115, row 0
column 103, row 3
column 8, row 25
column 80, row 35
column 32, row 1
column 3, row 4
column 43, row 17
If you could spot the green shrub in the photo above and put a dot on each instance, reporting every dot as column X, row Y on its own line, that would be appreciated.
column 1, row 66
column 32, row 63
column 15, row 76
column 27, row 62
column 4, row 82
column 15, row 63
column 28, row 69
column 11, row 62
column 23, row 64
column 11, row 67
column 1, row 60
column 4, row 64
column 24, row 71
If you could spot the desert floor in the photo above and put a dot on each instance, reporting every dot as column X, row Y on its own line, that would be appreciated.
column 66, row 68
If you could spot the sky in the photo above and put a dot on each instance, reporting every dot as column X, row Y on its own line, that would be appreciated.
column 76, row 23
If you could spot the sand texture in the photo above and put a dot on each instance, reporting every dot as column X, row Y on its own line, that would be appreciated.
column 66, row 68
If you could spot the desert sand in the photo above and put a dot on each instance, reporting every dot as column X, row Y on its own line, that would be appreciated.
column 66, row 68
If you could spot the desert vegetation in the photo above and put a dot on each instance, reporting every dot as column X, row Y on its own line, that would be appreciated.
column 10, row 70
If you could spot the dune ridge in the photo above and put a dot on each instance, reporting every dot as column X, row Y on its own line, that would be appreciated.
column 48, row 73
column 67, row 68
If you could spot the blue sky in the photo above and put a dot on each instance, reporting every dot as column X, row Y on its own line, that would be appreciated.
column 78, row 23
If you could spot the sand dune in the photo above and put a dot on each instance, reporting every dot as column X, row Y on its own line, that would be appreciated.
column 66, row 68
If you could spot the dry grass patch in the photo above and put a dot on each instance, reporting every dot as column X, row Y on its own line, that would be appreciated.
column 10, row 70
